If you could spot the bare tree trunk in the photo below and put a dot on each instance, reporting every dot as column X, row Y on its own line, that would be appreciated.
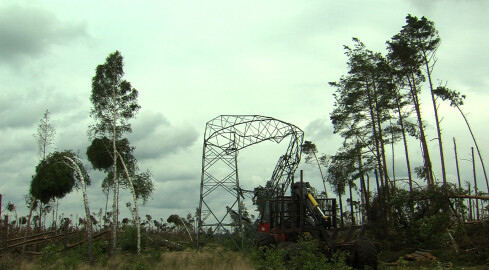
column 456, row 162
column 458, row 171
column 426, row 155
column 475, row 185
column 28, row 224
column 435, row 108
column 351, row 206
column 88, row 225
column 115, row 208
column 322, row 175
column 341, row 209
column 375, row 135
column 138, row 222
column 406, row 152
column 476, row 147
column 381, row 137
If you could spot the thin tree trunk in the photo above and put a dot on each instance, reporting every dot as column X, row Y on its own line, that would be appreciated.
column 322, row 175
column 106, row 203
column 456, row 163
column 435, row 108
column 28, row 224
column 393, row 158
column 476, row 147
column 426, row 155
column 363, row 192
column 375, row 136
column 351, row 206
column 475, row 185
column 115, row 208
column 381, row 136
column 470, row 202
column 406, row 152
column 458, row 173
column 138, row 222
column 341, row 209
column 88, row 225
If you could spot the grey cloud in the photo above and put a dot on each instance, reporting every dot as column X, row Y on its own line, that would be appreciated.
column 22, row 110
column 27, row 32
column 319, row 129
column 156, row 137
column 176, row 195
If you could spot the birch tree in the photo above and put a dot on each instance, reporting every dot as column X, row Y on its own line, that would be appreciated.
column 69, row 173
column 114, row 103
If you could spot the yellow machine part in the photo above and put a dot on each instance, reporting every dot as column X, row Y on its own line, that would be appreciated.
column 315, row 204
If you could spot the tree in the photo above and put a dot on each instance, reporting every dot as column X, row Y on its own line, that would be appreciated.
column 140, row 185
column 422, row 36
column 362, row 103
column 457, row 100
column 310, row 149
column 406, row 62
column 56, row 176
column 45, row 135
column 53, row 179
column 82, row 176
column 114, row 103
column 45, row 138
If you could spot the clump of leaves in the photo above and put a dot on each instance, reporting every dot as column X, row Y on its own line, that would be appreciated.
column 55, row 177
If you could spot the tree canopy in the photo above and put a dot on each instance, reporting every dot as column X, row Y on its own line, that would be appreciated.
column 55, row 177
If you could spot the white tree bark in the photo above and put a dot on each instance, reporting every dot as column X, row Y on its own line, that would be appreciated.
column 138, row 222
column 87, row 209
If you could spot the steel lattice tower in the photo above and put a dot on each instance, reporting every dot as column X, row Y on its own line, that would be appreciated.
column 224, row 136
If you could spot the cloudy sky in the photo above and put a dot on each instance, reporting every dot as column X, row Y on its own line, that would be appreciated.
column 194, row 60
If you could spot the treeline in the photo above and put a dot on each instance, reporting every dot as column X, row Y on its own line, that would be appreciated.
column 377, row 109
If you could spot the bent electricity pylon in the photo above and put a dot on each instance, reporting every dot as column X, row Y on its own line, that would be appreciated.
column 224, row 136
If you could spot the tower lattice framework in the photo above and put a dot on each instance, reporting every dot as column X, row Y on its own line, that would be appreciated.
column 224, row 137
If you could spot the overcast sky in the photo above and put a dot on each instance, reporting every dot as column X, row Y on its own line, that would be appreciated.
column 194, row 60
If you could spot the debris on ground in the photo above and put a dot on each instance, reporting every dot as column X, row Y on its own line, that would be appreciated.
column 420, row 256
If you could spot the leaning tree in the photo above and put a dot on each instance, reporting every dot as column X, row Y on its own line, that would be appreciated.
column 99, row 153
column 56, row 176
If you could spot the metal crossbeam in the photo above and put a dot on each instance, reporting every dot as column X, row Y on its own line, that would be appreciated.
column 224, row 137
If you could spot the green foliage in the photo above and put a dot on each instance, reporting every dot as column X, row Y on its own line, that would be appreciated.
column 456, row 99
column 55, row 177
column 265, row 258
column 129, row 239
column 306, row 254
column 50, row 255
column 421, row 218
column 143, row 185
column 100, row 154
column 114, row 99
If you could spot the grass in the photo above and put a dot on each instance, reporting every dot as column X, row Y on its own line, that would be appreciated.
column 209, row 258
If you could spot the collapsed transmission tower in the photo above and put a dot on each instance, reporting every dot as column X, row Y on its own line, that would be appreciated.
column 224, row 137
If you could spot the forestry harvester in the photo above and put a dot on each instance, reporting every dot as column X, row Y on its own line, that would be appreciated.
column 283, row 218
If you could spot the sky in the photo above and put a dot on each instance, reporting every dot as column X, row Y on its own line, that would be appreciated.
column 194, row 60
